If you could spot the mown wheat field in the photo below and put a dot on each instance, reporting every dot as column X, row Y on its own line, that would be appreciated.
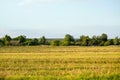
column 59, row 63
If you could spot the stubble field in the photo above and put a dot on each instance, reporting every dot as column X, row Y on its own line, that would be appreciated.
column 59, row 63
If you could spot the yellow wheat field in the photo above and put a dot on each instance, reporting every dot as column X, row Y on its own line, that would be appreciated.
column 59, row 63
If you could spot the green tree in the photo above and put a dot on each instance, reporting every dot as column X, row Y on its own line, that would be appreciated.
column 31, row 42
column 84, row 40
column 104, row 37
column 1, row 42
column 77, row 42
column 101, row 43
column 116, row 41
column 42, row 40
column 35, row 41
column 100, row 40
column 94, row 41
column 55, row 42
column 68, row 40
column 111, row 41
column 28, row 42
column 21, row 39
column 107, row 43
column 6, row 39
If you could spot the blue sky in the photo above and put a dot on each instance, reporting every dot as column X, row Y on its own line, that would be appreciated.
column 55, row 18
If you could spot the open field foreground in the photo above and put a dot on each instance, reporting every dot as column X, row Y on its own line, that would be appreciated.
column 59, row 63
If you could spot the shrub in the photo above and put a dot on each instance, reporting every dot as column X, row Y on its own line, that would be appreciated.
column 107, row 43
column 55, row 43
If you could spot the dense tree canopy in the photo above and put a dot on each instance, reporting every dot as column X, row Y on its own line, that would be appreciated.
column 21, row 38
column 1, row 43
column 55, row 43
column 6, row 40
column 103, row 37
column 42, row 40
column 116, row 41
column 84, row 40
column 68, row 40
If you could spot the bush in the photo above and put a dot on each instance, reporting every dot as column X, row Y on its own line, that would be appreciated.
column 42, row 40
column 66, row 43
column 107, row 43
column 1, row 43
column 55, row 43
column 68, row 40
column 102, row 43
column 84, row 43
column 31, row 42
column 77, row 43
column 116, row 41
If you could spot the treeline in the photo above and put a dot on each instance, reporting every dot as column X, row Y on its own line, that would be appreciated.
column 68, row 40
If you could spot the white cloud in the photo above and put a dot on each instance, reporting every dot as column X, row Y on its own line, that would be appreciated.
column 29, row 2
